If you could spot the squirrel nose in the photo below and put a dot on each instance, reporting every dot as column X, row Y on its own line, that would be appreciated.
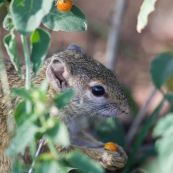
column 125, row 109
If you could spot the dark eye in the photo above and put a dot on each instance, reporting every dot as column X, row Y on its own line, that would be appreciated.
column 98, row 91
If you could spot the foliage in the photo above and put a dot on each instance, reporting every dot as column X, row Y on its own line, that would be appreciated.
column 10, row 44
column 27, row 15
column 164, row 131
column 146, row 8
column 67, row 21
column 32, row 112
column 161, row 68
column 40, row 42
column 106, row 131
column 140, row 139
column 162, row 76
column 84, row 164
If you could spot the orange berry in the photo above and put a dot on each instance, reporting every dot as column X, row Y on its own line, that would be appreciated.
column 64, row 5
column 111, row 146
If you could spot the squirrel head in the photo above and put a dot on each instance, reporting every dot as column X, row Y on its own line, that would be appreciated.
column 97, row 90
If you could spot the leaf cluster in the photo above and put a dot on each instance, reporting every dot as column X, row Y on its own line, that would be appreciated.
column 32, row 113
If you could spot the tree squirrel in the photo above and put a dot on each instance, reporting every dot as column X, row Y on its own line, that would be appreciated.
column 98, row 93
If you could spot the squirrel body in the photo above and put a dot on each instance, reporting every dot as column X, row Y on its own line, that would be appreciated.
column 97, row 93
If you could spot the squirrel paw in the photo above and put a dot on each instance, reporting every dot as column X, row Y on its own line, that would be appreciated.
column 108, row 159
column 112, row 160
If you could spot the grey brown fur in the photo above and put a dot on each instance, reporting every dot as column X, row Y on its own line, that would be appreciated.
column 73, row 68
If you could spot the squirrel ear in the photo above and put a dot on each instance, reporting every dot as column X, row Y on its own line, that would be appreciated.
column 75, row 47
column 55, row 75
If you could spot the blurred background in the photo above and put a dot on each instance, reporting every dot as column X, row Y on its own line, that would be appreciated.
column 135, row 51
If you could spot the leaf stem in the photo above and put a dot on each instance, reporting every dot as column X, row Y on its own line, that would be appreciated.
column 52, row 147
column 28, row 70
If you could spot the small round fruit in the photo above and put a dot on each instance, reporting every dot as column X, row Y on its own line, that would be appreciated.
column 64, row 5
column 111, row 146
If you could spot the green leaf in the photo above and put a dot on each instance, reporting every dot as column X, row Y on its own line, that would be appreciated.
column 58, row 132
column 164, row 125
column 51, row 167
column 17, row 167
column 147, row 126
column 10, row 45
column 22, row 92
column 73, row 20
column 111, row 130
column 161, row 68
column 141, row 136
column 83, row 163
column 28, row 14
column 19, row 113
column 63, row 99
column 8, row 23
column 25, row 134
column 146, row 8
column 152, row 165
column 164, row 130
column 2, row 2
column 44, row 86
column 40, row 42
column 169, row 98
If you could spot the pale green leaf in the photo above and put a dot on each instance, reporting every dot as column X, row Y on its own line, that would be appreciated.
column 17, row 167
column 83, row 163
column 7, row 22
column 164, row 130
column 63, row 99
column 152, row 165
column 58, row 132
column 10, row 45
column 24, row 136
column 28, row 14
column 51, row 167
column 146, row 8
column 164, row 125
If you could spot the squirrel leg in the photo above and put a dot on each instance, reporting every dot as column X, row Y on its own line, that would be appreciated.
column 108, row 159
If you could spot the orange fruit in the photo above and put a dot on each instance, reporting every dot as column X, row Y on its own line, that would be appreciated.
column 111, row 146
column 64, row 5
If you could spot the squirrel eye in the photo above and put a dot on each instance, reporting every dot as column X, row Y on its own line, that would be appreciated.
column 98, row 91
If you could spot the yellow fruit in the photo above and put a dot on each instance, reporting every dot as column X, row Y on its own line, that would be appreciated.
column 111, row 146
column 64, row 5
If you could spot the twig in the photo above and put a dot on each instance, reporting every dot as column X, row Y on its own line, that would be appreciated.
column 28, row 70
column 37, row 154
column 139, row 118
column 113, row 38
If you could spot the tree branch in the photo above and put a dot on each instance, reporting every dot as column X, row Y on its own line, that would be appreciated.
column 113, row 38
column 139, row 118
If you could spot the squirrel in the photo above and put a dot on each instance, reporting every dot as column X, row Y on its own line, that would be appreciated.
column 97, row 94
